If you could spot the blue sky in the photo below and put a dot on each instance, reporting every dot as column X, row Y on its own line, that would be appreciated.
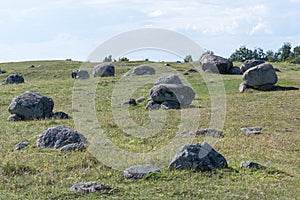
column 60, row 29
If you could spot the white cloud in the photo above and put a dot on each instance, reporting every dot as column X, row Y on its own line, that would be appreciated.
column 155, row 13
column 260, row 28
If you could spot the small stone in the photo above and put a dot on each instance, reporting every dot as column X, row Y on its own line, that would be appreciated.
column 21, row 145
column 208, row 132
column 73, row 147
column 252, row 130
column 251, row 165
column 60, row 115
column 129, row 102
column 90, row 187
column 14, row 117
column 170, row 105
column 140, row 99
column 151, row 105
column 138, row 171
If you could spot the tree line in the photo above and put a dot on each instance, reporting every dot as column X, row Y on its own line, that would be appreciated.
column 284, row 54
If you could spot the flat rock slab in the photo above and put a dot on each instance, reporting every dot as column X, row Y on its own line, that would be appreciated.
column 252, row 130
column 198, row 157
column 90, row 187
column 138, row 171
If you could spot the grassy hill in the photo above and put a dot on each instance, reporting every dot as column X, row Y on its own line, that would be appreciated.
column 34, row 173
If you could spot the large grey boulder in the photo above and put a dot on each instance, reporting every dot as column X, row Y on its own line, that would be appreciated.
column 31, row 105
column 184, row 95
column 14, row 79
column 263, row 74
column 138, row 171
column 168, row 79
column 61, row 137
column 80, row 74
column 104, row 70
column 215, row 64
column 250, row 63
column 198, row 157
column 143, row 70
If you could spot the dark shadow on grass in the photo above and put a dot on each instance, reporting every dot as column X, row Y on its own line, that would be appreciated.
column 282, row 88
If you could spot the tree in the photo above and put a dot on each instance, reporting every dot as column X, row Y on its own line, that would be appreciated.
column 123, row 59
column 188, row 58
column 296, row 51
column 285, row 51
column 108, row 59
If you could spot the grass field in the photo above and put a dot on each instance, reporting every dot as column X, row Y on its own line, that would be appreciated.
column 34, row 173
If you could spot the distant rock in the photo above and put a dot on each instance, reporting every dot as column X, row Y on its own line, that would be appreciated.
column 14, row 79
column 21, row 145
column 183, row 95
column 138, row 171
column 262, row 77
column 249, row 64
column 142, row 70
column 31, row 66
column 3, row 71
column 90, row 187
column 198, row 157
column 215, row 64
column 80, row 74
column 168, row 79
column 31, row 105
column 60, row 137
column 104, row 70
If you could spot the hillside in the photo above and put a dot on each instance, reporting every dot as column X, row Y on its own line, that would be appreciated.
column 34, row 173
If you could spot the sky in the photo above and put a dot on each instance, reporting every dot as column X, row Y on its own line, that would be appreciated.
column 61, row 29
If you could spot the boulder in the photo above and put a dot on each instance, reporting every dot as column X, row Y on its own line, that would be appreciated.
column 235, row 70
column 184, row 95
column 250, row 63
column 143, row 70
column 263, row 74
column 31, row 105
column 138, row 171
column 14, row 79
column 198, row 157
column 90, row 187
column 80, row 74
column 60, row 137
column 215, row 64
column 189, row 71
column 168, row 79
column 104, row 70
